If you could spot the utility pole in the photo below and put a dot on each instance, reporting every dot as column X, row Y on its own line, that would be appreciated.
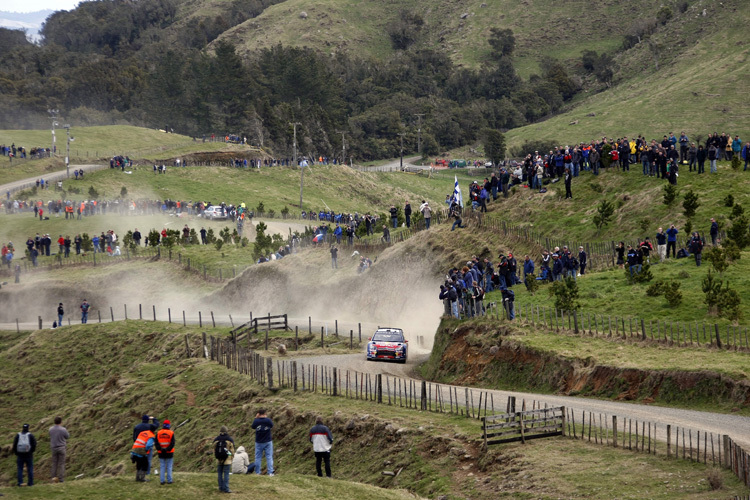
column 343, row 145
column 402, row 134
column 419, row 132
column 53, row 115
column 67, row 149
column 302, row 174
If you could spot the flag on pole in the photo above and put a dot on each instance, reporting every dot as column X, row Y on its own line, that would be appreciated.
column 457, row 194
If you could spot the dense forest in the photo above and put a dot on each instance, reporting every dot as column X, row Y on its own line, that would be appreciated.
column 120, row 61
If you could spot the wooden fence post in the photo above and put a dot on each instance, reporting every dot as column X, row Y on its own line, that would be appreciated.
column 335, row 381
column 321, row 338
column 126, row 311
column 40, row 322
column 269, row 371
column 187, row 346
column 140, row 311
column 111, row 314
column 296, row 338
column 379, row 388
column 213, row 321
column 154, row 308
column 614, row 430
column 294, row 375
column 169, row 314
column 718, row 337
column 669, row 440
column 184, row 322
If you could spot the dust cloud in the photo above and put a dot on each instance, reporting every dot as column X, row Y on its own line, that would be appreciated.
column 400, row 290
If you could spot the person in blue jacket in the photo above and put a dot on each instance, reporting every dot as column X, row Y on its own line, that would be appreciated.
column 528, row 268
column 672, row 240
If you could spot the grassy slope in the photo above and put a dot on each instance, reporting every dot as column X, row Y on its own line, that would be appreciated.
column 703, row 91
column 95, row 144
column 608, row 293
column 144, row 370
column 340, row 188
column 361, row 28
column 193, row 486
column 635, row 198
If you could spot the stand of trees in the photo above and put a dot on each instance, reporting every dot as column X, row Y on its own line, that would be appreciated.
column 136, row 62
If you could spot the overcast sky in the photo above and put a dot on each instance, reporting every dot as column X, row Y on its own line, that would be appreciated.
column 35, row 5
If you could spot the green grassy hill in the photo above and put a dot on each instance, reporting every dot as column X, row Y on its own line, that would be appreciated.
column 101, row 378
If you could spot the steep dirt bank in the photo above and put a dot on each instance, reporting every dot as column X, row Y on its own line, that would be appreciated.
column 490, row 357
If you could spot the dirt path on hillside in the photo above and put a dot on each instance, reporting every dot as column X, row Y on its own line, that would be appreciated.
column 52, row 176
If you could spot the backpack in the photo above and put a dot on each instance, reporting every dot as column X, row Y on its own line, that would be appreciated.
column 220, row 451
column 452, row 295
column 24, row 443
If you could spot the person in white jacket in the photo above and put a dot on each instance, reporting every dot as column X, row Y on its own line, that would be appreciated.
column 241, row 463
column 321, row 438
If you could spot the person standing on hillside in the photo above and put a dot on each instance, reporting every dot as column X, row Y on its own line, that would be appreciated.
column 714, row 231
column 568, row 180
column 165, row 448
column 407, row 213
column 203, row 236
column 263, row 441
column 146, row 422
column 85, row 306
column 58, row 442
column 426, row 213
column 141, row 451
column 661, row 244
column 672, row 240
column 696, row 247
column 24, row 445
column 582, row 260
column 223, row 451
column 394, row 216
column 60, row 314
column 321, row 438
column 137, row 237
column 334, row 256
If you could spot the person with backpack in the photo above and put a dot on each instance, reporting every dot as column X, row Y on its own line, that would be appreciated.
column 85, row 306
column 696, row 247
column 508, row 302
column 58, row 442
column 165, row 448
column 322, row 439
column 140, row 452
column 453, row 299
column 223, row 451
column 263, row 441
column 24, row 445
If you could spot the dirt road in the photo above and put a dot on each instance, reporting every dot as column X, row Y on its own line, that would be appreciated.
column 52, row 176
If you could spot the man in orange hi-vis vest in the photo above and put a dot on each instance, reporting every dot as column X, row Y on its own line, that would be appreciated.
column 165, row 448
column 142, row 448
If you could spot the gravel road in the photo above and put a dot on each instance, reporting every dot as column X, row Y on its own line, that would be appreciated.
column 52, row 176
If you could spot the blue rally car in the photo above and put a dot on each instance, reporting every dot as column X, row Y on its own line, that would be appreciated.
column 388, row 344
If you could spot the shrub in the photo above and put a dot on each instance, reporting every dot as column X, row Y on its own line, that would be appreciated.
column 194, row 237
column 260, row 208
column 717, row 256
column 656, row 289
column 690, row 203
column 731, row 250
column 271, row 213
column 218, row 244
column 645, row 223
column 729, row 304
column 153, row 238
column 683, row 275
column 566, row 294
column 531, row 283
column 86, row 243
column 712, row 289
column 285, row 211
column 604, row 213
column 729, row 200
column 670, row 194
column 93, row 193
column 210, row 236
column 738, row 233
column 688, row 227
column 735, row 163
column 225, row 235
column 673, row 294
column 123, row 192
column 737, row 211
column 596, row 187
column 244, row 242
column 128, row 240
